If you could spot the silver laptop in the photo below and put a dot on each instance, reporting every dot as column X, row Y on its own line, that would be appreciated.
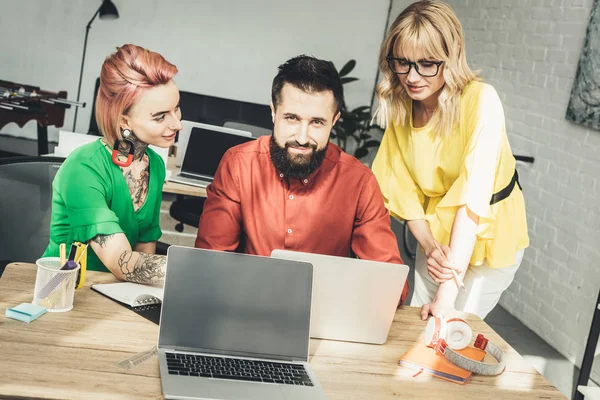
column 185, row 132
column 353, row 300
column 235, row 326
column 206, row 147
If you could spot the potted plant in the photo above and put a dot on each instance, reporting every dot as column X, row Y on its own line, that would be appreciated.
column 354, row 124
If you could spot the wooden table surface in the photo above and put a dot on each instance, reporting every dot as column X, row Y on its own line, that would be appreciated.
column 73, row 355
column 180, row 188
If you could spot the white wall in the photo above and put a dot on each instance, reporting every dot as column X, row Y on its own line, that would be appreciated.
column 225, row 48
column 529, row 51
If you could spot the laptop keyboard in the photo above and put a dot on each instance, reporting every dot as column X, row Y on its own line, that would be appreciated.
column 237, row 369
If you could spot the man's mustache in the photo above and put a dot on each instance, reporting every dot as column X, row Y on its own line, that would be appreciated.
column 293, row 143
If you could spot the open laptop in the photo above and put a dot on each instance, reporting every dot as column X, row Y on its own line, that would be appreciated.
column 204, row 151
column 235, row 326
column 353, row 300
column 184, row 135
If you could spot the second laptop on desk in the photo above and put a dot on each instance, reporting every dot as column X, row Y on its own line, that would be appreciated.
column 353, row 300
column 205, row 148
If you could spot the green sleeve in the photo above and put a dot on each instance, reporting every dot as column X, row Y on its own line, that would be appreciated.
column 85, row 192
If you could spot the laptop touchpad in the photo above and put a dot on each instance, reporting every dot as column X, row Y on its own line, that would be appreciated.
column 234, row 390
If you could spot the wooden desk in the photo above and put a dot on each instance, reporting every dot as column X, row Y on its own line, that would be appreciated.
column 73, row 355
column 180, row 188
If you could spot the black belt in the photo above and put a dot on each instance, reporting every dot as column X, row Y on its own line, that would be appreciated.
column 504, row 193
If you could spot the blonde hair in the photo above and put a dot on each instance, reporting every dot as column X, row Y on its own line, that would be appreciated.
column 124, row 77
column 430, row 26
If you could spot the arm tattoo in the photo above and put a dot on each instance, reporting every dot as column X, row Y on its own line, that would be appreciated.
column 149, row 268
column 102, row 239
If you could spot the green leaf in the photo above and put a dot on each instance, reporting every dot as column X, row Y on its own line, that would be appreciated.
column 361, row 152
column 348, row 80
column 364, row 136
column 376, row 127
column 347, row 68
column 361, row 109
column 350, row 125
column 363, row 117
column 371, row 143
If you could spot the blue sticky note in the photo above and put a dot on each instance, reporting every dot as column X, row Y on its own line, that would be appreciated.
column 25, row 312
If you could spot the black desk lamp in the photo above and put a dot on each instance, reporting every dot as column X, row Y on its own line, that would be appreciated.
column 107, row 10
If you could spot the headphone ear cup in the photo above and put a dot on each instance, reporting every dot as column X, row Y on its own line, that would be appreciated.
column 436, row 329
column 459, row 334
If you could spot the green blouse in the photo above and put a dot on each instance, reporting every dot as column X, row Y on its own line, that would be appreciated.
column 90, row 197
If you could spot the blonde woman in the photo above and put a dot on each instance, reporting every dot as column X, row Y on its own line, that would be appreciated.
column 445, row 165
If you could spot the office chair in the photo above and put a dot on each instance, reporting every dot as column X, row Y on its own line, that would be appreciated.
column 25, row 207
column 186, row 210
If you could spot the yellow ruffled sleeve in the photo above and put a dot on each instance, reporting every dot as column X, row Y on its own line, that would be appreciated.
column 482, row 125
column 402, row 196
column 487, row 167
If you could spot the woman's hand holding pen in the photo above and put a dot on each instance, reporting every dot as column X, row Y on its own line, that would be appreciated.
column 440, row 263
column 441, row 268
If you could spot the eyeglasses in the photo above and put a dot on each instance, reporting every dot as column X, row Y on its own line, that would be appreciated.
column 402, row 66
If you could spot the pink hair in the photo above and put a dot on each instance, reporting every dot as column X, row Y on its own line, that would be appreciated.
column 124, row 76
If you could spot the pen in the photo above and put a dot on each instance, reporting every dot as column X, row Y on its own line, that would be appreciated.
column 72, row 252
column 457, row 279
column 81, row 249
column 63, row 254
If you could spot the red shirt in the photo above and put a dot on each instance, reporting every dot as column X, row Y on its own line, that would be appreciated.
column 252, row 208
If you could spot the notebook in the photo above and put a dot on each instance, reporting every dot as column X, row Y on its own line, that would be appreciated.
column 142, row 299
column 425, row 359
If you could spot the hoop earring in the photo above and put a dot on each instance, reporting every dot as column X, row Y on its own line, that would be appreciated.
column 115, row 153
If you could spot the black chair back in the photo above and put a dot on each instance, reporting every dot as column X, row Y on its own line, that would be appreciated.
column 25, row 206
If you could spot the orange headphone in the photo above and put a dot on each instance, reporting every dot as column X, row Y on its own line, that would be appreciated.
column 445, row 336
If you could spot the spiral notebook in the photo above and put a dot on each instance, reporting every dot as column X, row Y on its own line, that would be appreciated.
column 142, row 299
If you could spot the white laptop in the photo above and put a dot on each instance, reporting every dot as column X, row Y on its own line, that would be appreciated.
column 353, row 300
column 69, row 141
column 206, row 147
column 184, row 135
column 235, row 326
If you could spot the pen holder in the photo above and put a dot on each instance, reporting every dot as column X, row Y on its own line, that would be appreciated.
column 54, row 288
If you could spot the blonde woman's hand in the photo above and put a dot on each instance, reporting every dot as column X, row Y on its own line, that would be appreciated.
column 440, row 307
column 440, row 264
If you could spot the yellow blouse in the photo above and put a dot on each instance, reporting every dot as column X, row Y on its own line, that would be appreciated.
column 426, row 176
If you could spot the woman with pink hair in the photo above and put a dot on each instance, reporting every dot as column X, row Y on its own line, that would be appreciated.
column 108, row 193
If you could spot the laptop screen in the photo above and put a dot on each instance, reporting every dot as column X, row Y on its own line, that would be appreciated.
column 236, row 304
column 205, row 149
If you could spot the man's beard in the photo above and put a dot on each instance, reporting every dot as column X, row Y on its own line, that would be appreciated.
column 296, row 166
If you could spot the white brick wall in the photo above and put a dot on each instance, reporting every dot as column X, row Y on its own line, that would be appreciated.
column 529, row 50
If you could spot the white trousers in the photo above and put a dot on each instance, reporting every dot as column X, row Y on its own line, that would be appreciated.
column 484, row 285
